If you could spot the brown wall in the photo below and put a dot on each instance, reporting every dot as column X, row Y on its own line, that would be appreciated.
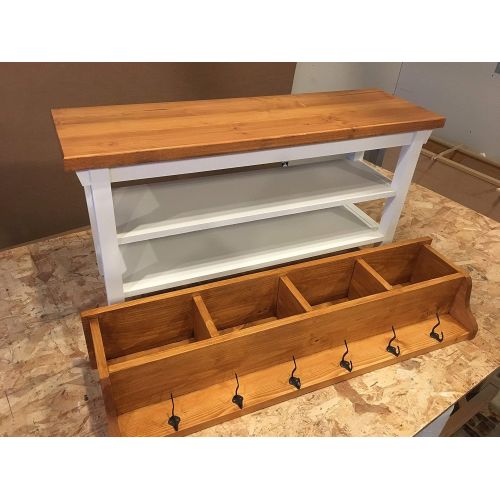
column 37, row 198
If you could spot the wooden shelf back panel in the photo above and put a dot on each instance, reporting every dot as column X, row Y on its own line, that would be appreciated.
column 325, row 282
column 263, row 388
column 290, row 300
column 110, row 136
column 150, row 379
column 242, row 301
column 429, row 264
column 157, row 323
column 396, row 265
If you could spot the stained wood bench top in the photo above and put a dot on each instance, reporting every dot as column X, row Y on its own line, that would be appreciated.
column 111, row 136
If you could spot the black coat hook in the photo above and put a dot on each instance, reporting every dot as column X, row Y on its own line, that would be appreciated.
column 343, row 363
column 237, row 398
column 390, row 348
column 434, row 334
column 174, row 419
column 295, row 381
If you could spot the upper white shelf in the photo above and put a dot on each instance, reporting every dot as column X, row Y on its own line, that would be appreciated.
column 180, row 206
column 202, row 255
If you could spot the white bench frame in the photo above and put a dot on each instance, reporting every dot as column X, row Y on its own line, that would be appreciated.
column 97, row 184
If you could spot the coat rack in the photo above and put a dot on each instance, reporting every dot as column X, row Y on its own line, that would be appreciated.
column 178, row 362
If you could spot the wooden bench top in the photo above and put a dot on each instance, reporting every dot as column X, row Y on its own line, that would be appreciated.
column 111, row 136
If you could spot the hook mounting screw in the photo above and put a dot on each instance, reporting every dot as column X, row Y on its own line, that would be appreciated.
column 393, row 349
column 343, row 363
column 295, row 381
column 435, row 335
column 174, row 420
column 237, row 398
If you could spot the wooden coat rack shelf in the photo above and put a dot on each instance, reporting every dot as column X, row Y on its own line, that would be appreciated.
column 196, row 347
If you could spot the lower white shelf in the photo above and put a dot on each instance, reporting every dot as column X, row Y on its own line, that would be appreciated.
column 172, row 261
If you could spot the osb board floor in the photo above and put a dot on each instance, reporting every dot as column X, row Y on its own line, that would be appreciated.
column 48, row 389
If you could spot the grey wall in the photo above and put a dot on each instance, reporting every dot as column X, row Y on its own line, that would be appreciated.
column 318, row 77
column 468, row 94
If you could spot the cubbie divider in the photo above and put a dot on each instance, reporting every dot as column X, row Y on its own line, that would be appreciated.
column 189, row 344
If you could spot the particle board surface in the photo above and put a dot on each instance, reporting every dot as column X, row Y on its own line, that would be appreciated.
column 111, row 136
column 49, row 389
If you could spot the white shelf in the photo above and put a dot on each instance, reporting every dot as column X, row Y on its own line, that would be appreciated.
column 180, row 206
column 201, row 255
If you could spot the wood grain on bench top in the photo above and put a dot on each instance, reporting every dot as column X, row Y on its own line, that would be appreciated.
column 111, row 136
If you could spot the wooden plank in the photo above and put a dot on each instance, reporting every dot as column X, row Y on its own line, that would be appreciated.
column 184, row 369
column 102, row 369
column 263, row 388
column 461, row 151
column 290, row 300
column 365, row 281
column 494, row 181
column 204, row 327
column 110, row 136
column 430, row 265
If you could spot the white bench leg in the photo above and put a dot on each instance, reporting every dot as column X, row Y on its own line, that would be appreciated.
column 401, row 183
column 104, row 221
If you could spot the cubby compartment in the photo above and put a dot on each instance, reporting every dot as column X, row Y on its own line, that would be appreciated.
column 253, row 302
column 415, row 264
column 158, row 326
column 335, row 282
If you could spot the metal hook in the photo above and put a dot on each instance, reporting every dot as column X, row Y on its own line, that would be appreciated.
column 295, row 381
column 346, row 364
column 237, row 398
column 390, row 348
column 174, row 419
column 433, row 333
